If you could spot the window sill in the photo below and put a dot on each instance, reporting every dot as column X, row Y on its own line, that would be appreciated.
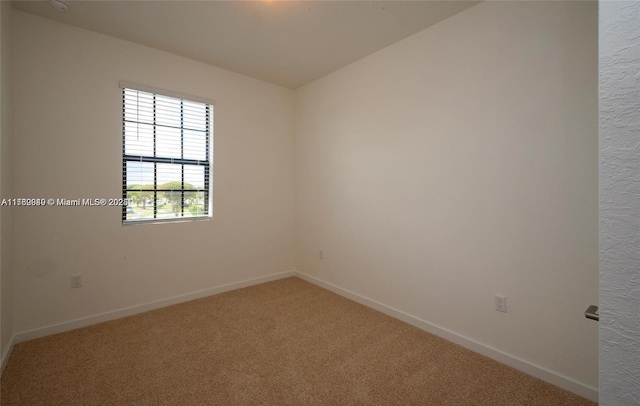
column 128, row 223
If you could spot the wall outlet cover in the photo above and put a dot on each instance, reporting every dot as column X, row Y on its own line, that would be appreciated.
column 76, row 280
column 501, row 303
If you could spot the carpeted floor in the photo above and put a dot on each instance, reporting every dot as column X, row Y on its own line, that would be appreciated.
column 286, row 342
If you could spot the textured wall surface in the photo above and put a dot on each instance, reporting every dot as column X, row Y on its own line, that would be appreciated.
column 620, row 203
column 6, row 181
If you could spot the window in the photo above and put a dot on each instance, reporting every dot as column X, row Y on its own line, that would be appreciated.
column 166, row 156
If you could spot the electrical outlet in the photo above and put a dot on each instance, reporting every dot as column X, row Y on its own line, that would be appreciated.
column 501, row 303
column 76, row 280
column 321, row 255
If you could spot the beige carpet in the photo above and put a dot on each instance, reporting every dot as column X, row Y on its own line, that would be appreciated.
column 286, row 342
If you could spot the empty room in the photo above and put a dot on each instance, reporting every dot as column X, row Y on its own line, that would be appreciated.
column 319, row 202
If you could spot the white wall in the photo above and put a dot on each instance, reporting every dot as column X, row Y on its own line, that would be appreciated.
column 6, row 182
column 619, row 203
column 459, row 163
column 68, row 144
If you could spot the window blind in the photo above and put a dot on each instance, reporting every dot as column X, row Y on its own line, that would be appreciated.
column 166, row 159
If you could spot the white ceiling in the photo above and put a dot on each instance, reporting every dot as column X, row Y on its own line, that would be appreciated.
column 289, row 43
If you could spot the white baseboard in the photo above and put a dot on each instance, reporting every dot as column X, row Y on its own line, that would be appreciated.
column 129, row 311
column 6, row 353
column 493, row 353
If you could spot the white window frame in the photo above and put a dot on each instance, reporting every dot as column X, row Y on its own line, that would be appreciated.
column 207, row 163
